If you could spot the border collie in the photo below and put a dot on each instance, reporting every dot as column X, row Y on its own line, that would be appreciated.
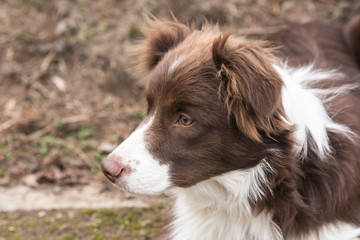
column 254, row 139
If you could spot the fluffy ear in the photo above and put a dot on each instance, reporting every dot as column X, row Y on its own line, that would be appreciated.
column 160, row 37
column 249, row 85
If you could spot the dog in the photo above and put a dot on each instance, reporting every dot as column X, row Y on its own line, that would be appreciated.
column 254, row 139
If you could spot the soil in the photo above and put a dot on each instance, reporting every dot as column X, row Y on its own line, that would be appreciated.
column 68, row 94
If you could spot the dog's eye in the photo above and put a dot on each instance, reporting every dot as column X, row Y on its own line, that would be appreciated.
column 183, row 120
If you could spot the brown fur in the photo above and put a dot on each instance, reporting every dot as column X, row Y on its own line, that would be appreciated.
column 352, row 37
column 249, row 86
column 160, row 39
column 230, row 89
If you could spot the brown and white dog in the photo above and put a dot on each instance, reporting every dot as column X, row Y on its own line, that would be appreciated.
column 254, row 141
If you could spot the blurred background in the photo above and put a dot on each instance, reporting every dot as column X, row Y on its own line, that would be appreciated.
column 68, row 97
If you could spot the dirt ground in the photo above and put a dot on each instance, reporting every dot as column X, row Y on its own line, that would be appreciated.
column 67, row 92
column 68, row 95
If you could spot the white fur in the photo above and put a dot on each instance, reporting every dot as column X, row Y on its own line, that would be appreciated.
column 219, row 208
column 175, row 63
column 147, row 175
column 338, row 231
column 304, row 107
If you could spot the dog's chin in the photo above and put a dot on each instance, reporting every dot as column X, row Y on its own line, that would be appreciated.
column 144, row 190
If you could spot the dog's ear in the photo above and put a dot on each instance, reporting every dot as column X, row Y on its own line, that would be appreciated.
column 160, row 37
column 249, row 85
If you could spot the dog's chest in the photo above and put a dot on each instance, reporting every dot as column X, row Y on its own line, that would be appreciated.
column 209, row 211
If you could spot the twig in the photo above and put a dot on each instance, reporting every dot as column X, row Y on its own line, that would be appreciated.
column 75, row 119
column 38, row 134
column 65, row 226
column 43, row 68
column 68, row 120
column 63, row 143
column 41, row 88
column 8, row 124
column 46, row 62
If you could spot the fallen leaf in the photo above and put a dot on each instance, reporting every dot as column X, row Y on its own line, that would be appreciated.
column 17, row 170
column 59, row 83
column 4, row 181
column 10, row 106
column 53, row 158
column 30, row 180
column 45, row 177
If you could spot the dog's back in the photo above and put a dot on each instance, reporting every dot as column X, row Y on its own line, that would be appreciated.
column 336, row 48
column 352, row 37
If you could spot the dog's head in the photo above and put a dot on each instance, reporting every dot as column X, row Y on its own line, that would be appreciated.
column 214, row 104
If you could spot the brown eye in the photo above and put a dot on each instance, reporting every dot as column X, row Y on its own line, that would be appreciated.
column 183, row 120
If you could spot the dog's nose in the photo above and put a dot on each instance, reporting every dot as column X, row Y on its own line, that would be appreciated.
column 112, row 168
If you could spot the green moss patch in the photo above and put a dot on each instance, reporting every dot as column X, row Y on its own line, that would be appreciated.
column 129, row 223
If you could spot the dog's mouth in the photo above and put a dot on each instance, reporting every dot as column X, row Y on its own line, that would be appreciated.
column 124, row 186
column 146, row 177
column 138, row 188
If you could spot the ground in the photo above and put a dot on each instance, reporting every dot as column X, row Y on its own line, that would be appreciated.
column 69, row 95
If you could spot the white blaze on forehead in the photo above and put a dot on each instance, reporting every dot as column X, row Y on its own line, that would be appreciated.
column 175, row 63
column 143, row 173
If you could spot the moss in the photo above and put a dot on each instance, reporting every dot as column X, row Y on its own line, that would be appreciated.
column 60, row 125
column 46, row 222
column 70, row 236
column 99, row 157
column 53, row 228
column 88, row 144
column 30, row 224
column 161, row 206
column 93, row 225
column 139, row 115
column 107, row 213
column 2, row 172
column 3, row 144
column 134, row 33
column 8, row 155
column 44, row 146
column 130, row 223
column 34, row 2
column 87, row 211
column 102, row 28
column 85, row 132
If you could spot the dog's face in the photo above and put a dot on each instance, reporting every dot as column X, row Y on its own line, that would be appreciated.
column 213, row 102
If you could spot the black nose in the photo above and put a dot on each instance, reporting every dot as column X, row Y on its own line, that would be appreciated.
column 112, row 168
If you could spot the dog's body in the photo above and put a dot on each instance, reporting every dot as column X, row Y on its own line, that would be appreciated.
column 254, row 143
